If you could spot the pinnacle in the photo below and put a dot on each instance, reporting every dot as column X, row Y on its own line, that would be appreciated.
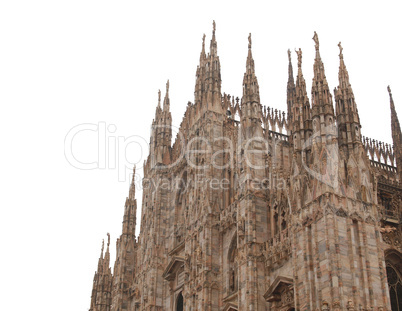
column 394, row 116
column 395, row 125
column 390, row 98
column 213, row 47
column 132, row 186
column 250, row 60
column 320, row 89
column 343, row 72
column 290, row 70
column 291, row 89
column 300, row 82
column 319, row 73
column 202, row 55
column 250, row 83
column 166, row 101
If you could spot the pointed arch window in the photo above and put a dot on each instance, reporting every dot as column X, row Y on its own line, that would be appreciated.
column 395, row 288
column 179, row 302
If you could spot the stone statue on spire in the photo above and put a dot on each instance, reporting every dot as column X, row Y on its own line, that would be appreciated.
column 317, row 43
column 108, row 239
column 289, row 56
column 167, row 87
column 249, row 41
column 340, row 50
column 213, row 26
column 299, row 57
column 203, row 41
column 159, row 98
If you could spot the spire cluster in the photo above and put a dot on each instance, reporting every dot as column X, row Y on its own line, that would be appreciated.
column 320, row 151
column 207, row 93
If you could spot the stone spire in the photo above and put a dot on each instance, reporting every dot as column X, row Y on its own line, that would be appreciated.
column 207, row 93
column 251, row 93
column 161, row 131
column 291, row 91
column 107, row 254
column 102, row 283
column 301, row 112
column 343, row 74
column 130, row 210
column 348, row 120
column 131, row 195
column 125, row 251
column 202, row 54
column 166, row 101
column 322, row 107
column 251, row 109
column 396, row 135
column 200, row 76
column 158, row 109
column 395, row 125
column 100, row 260
column 301, row 90
column 213, row 50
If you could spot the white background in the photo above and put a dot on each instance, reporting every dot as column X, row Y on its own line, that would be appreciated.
column 64, row 63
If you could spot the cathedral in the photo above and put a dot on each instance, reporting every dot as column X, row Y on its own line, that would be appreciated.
column 251, row 208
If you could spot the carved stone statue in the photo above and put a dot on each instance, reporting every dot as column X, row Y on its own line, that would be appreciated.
column 299, row 57
column 317, row 43
column 249, row 41
column 340, row 50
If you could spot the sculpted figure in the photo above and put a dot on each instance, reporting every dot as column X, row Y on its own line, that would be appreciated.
column 317, row 43
column 299, row 57
column 340, row 49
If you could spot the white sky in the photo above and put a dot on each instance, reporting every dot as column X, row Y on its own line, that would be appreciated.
column 65, row 63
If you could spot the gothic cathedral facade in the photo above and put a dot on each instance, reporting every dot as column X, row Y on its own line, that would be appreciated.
column 254, row 209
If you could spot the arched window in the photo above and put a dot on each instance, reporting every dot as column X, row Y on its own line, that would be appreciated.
column 179, row 302
column 393, row 260
column 395, row 288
